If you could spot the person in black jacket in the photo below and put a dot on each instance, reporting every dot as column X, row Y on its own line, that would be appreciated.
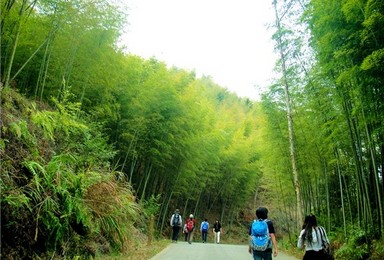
column 217, row 230
column 262, row 214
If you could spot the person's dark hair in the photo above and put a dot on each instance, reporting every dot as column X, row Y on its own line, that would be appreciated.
column 310, row 222
column 205, row 219
column 262, row 213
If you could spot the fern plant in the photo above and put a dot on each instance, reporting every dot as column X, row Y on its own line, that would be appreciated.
column 66, row 200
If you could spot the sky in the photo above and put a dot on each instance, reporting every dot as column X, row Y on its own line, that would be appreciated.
column 225, row 39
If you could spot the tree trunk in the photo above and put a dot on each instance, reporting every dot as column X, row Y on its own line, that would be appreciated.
column 148, row 174
column 342, row 200
column 9, row 65
column 23, row 8
column 327, row 196
column 165, row 212
column 197, row 204
column 185, row 209
column 376, row 176
column 45, row 71
column 290, row 121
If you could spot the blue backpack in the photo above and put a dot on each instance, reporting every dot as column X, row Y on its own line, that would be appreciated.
column 260, row 238
column 205, row 226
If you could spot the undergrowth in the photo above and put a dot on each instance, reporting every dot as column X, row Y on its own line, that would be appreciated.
column 60, row 198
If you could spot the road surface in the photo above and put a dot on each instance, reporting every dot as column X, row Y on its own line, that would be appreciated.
column 196, row 251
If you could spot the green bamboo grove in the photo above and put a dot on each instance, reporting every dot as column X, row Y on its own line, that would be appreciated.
column 94, row 142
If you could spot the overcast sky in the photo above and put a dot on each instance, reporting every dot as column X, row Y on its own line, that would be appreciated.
column 225, row 39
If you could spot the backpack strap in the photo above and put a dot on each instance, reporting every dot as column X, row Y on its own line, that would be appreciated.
column 323, row 236
column 266, row 222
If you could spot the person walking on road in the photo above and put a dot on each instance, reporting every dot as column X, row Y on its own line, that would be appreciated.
column 204, row 227
column 217, row 230
column 176, row 222
column 262, row 236
column 313, row 238
column 190, row 227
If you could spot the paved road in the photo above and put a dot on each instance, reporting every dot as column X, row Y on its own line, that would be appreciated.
column 196, row 251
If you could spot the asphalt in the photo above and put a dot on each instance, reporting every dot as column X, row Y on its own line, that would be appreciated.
column 196, row 251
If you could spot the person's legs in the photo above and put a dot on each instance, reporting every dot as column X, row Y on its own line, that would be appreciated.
column 177, row 229
column 310, row 255
column 218, row 237
column 215, row 241
column 260, row 255
column 257, row 255
column 173, row 233
column 321, row 255
column 205, row 233
column 267, row 255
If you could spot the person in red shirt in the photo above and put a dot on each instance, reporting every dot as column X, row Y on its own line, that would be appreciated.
column 190, row 227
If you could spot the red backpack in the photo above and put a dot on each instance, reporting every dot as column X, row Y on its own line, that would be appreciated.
column 190, row 225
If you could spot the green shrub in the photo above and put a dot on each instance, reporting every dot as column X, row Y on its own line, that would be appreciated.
column 356, row 248
column 378, row 250
column 59, row 197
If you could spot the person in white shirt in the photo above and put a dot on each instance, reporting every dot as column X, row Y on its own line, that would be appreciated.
column 176, row 222
column 312, row 237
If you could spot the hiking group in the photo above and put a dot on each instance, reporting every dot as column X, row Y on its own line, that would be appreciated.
column 189, row 228
column 176, row 223
column 263, row 240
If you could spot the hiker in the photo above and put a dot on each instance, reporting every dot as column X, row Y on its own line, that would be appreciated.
column 190, row 227
column 176, row 222
column 313, row 238
column 204, row 227
column 262, row 236
column 217, row 230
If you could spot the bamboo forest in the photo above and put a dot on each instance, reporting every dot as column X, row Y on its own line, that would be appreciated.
column 98, row 147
